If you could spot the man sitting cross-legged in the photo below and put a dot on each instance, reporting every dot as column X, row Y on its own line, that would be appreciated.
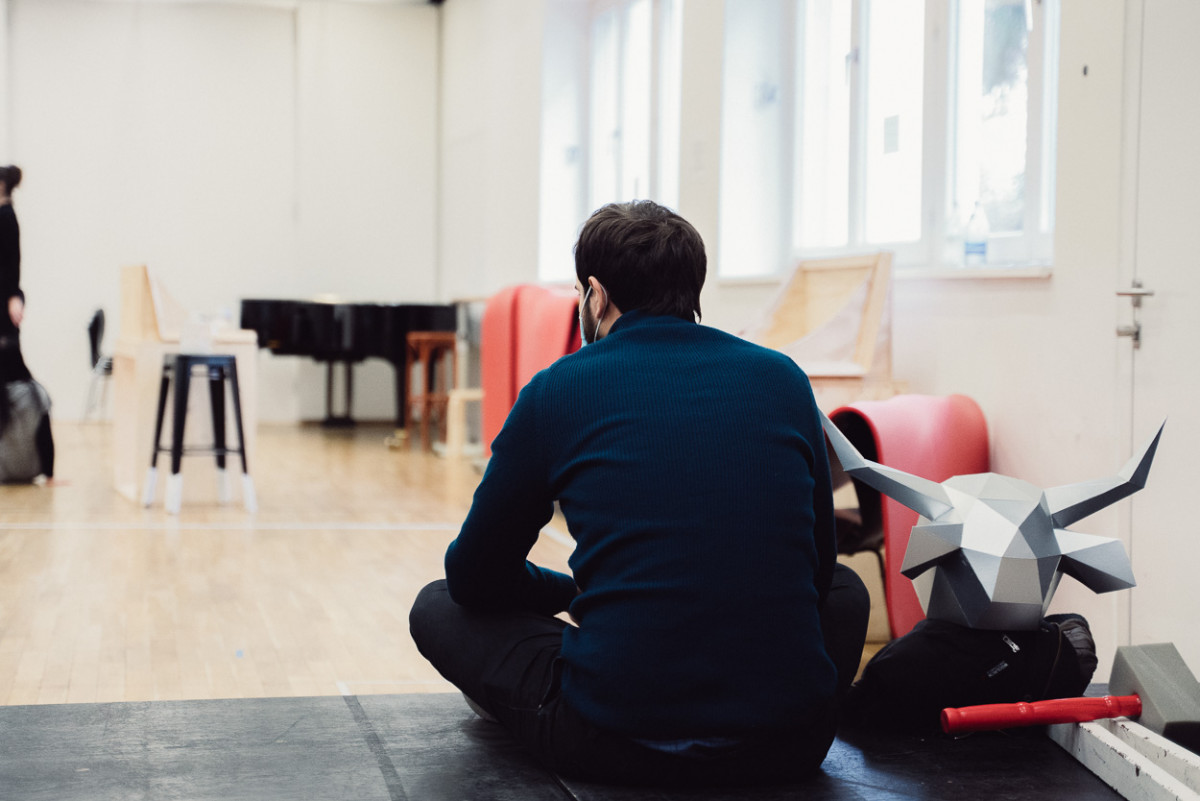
column 715, row 631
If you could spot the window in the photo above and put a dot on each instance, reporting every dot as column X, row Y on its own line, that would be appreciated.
column 887, row 124
column 610, row 116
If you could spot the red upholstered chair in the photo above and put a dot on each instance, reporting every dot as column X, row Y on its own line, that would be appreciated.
column 929, row 436
column 525, row 329
column 547, row 329
column 498, row 358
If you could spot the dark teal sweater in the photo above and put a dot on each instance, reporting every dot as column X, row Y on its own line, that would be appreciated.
column 690, row 466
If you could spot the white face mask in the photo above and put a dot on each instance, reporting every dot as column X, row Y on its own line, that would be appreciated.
column 583, row 336
column 599, row 319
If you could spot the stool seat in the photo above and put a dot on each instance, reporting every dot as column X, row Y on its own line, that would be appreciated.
column 221, row 370
column 427, row 349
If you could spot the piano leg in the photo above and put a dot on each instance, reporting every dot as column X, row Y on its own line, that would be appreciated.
column 399, row 438
column 345, row 420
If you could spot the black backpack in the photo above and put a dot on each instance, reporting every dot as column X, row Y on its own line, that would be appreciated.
column 938, row 664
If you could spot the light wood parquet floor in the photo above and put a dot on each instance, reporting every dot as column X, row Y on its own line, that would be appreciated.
column 103, row 600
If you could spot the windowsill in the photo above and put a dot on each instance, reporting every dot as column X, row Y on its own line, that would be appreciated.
column 990, row 272
column 751, row 280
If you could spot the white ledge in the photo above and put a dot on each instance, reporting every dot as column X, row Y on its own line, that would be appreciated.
column 948, row 273
column 1023, row 271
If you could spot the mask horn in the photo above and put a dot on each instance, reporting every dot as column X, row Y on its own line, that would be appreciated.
column 1076, row 501
column 923, row 496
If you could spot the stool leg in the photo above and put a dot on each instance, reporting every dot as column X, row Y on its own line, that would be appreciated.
column 402, row 396
column 448, row 383
column 216, row 395
column 182, row 385
column 456, row 424
column 151, row 485
column 406, row 383
column 429, row 358
column 249, row 497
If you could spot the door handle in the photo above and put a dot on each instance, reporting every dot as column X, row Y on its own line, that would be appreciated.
column 1135, row 293
column 1132, row 331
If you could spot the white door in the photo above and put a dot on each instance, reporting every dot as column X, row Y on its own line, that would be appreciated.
column 1163, row 252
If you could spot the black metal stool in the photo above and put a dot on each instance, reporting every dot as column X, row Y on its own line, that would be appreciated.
column 221, row 369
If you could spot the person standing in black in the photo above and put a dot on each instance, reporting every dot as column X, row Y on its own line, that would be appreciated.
column 12, row 365
column 24, row 404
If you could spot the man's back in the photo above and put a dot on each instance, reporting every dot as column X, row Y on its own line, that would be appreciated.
column 690, row 467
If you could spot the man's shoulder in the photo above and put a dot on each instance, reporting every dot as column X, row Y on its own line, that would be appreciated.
column 752, row 352
column 562, row 370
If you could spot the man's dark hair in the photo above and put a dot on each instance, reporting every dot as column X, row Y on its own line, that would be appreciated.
column 646, row 256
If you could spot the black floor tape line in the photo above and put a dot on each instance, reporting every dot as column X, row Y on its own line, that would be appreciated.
column 390, row 777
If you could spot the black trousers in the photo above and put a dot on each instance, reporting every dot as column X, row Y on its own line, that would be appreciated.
column 510, row 664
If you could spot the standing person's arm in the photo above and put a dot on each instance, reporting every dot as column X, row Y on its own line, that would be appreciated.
column 486, row 565
column 10, row 266
column 16, row 308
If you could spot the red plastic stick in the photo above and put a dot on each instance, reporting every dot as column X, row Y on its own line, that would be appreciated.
column 1059, row 710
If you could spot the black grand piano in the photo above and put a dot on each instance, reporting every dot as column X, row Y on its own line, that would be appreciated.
column 345, row 333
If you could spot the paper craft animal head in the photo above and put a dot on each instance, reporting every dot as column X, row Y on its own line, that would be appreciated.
column 989, row 550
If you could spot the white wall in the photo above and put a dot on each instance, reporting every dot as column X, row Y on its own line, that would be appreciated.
column 5, row 111
column 239, row 150
column 491, row 149
column 700, row 131
column 368, row 142
column 564, row 155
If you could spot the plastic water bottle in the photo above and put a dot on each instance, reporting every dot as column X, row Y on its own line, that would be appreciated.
column 975, row 241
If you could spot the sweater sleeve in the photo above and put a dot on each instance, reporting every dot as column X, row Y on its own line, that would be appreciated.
column 486, row 565
column 824, row 524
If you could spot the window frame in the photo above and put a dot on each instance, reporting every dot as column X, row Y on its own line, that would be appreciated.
column 939, row 246
column 584, row 164
column 663, row 138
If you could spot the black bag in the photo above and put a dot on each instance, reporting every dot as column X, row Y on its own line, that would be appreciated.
column 938, row 664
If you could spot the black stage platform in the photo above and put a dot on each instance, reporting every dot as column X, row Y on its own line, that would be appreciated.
column 431, row 747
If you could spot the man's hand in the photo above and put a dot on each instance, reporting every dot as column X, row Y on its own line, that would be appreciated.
column 16, row 310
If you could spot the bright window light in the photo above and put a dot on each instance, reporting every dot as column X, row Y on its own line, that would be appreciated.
column 627, row 82
column 902, row 116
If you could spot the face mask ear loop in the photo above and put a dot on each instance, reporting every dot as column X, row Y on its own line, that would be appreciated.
column 582, row 306
column 596, row 333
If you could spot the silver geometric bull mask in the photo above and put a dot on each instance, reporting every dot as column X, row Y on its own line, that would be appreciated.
column 989, row 550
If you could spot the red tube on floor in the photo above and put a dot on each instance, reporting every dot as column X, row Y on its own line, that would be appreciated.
column 1059, row 710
